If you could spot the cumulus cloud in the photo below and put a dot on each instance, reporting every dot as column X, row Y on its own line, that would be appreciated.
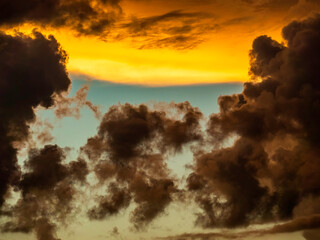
column 274, row 163
column 32, row 71
column 48, row 187
column 130, row 148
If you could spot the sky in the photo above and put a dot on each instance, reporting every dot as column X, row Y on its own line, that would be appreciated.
column 156, row 119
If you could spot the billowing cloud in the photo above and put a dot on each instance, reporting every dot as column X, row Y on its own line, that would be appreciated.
column 48, row 189
column 130, row 148
column 274, row 163
column 32, row 71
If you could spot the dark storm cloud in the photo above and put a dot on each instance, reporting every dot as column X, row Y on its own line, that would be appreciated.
column 32, row 74
column 86, row 17
column 32, row 71
column 273, row 167
column 130, row 147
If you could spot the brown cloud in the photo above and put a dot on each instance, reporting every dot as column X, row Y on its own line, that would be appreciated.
column 129, row 147
column 127, row 131
column 32, row 71
column 48, row 190
column 117, row 199
column 263, row 176
column 45, row 230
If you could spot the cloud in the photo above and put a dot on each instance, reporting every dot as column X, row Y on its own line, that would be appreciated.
column 129, row 150
column 127, row 131
column 48, row 191
column 176, row 29
column 45, row 230
column 85, row 17
column 274, row 163
column 71, row 106
column 33, row 74
column 111, row 204
column 32, row 71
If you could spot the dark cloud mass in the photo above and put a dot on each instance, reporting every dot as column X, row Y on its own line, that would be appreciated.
column 32, row 71
column 32, row 74
column 274, row 164
column 86, row 17
column 48, row 188
column 130, row 147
